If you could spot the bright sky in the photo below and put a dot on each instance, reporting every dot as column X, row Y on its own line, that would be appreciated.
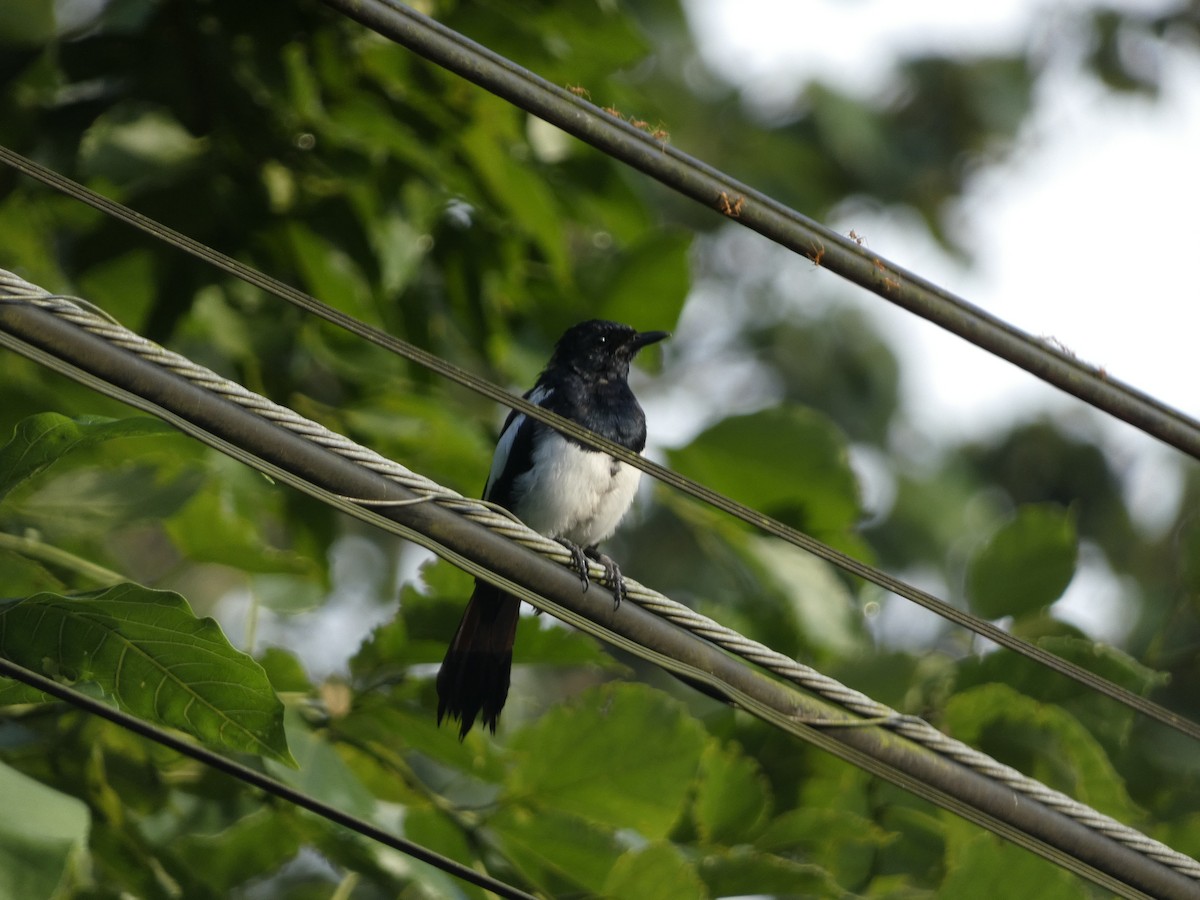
column 1084, row 235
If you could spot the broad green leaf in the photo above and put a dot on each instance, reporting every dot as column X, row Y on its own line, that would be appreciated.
column 91, row 501
column 30, row 22
column 42, row 440
column 125, row 287
column 1043, row 741
column 285, row 671
column 732, row 799
column 583, row 42
column 426, row 619
column 388, row 649
column 788, row 462
column 1107, row 721
column 39, row 833
column 1183, row 834
column 149, row 652
column 24, row 575
column 1110, row 662
column 389, row 724
column 655, row 267
column 429, row 433
column 544, row 641
column 515, row 188
column 26, row 252
column 846, row 843
column 828, row 614
column 621, row 754
column 832, row 784
column 433, row 829
column 13, row 692
column 1026, row 564
column 320, row 771
column 260, row 842
column 745, row 872
column 215, row 526
column 134, row 145
column 656, row 872
column 975, row 858
column 331, row 274
column 561, row 853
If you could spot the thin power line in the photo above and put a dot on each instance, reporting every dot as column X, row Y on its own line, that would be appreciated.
column 257, row 779
column 770, row 218
column 694, row 489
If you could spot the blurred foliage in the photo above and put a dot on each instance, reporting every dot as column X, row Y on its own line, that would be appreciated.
column 297, row 142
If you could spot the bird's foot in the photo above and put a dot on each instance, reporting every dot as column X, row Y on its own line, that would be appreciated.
column 612, row 574
column 579, row 561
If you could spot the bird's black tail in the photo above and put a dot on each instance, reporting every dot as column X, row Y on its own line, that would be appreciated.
column 474, row 675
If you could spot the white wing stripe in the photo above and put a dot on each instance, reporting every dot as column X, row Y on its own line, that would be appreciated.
column 504, row 446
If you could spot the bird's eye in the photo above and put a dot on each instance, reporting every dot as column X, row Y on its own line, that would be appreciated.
column 603, row 339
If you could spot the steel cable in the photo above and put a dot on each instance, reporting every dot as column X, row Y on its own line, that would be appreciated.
column 686, row 485
column 13, row 289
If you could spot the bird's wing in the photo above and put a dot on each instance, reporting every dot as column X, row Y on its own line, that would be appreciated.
column 514, row 451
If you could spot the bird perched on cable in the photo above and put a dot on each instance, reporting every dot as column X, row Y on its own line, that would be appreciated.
column 558, row 487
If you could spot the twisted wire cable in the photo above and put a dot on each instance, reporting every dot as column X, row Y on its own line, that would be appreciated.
column 667, row 476
column 13, row 288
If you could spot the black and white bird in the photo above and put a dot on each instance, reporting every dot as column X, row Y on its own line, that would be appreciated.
column 559, row 488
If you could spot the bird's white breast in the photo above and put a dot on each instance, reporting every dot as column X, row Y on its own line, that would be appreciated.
column 573, row 493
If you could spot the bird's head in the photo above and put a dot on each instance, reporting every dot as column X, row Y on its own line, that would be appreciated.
column 601, row 349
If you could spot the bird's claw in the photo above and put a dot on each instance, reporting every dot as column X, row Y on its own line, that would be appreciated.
column 579, row 562
column 612, row 572
column 612, row 575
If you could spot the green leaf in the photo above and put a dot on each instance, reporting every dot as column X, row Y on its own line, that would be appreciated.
column 124, row 286
column 829, row 614
column 1043, row 741
column 14, row 693
column 516, row 189
column 542, row 640
column 320, row 771
column 42, row 440
column 657, row 871
column 561, row 853
column 1026, row 565
column 93, row 501
column 733, row 798
column 136, row 144
column 430, row 433
column 285, row 671
column 217, row 525
column 744, row 872
column 595, row 758
column 40, row 833
column 331, row 274
column 984, row 859
column 845, row 842
column 24, row 574
column 788, row 462
column 434, row 830
column 1109, row 723
column 387, row 724
column 655, row 267
column 150, row 653
column 1108, row 661
column 30, row 22
column 255, row 844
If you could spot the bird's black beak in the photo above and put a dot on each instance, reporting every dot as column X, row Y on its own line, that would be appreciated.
column 645, row 338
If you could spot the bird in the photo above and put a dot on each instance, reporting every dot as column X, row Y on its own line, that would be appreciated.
column 560, row 488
